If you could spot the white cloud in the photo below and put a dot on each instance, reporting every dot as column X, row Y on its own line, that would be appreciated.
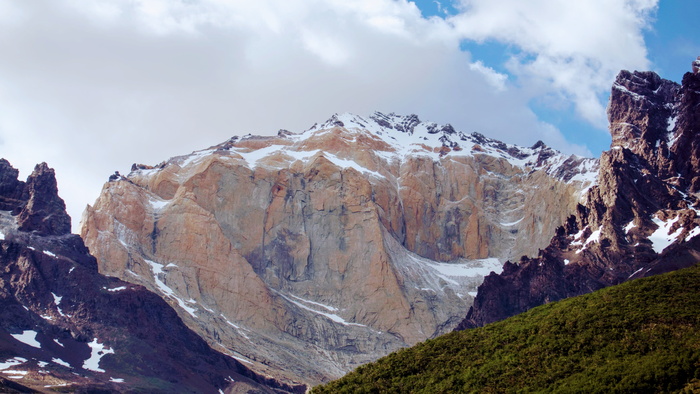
column 496, row 79
column 93, row 87
column 574, row 48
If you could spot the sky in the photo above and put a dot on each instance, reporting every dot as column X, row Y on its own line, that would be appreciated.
column 92, row 87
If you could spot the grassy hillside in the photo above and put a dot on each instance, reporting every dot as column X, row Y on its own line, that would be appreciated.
column 640, row 336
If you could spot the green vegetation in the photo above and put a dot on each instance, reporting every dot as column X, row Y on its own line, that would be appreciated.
column 642, row 336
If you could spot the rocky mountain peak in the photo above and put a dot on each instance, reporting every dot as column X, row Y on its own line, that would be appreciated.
column 35, row 202
column 640, row 111
column 685, row 142
column 44, row 211
column 641, row 218
column 407, row 134
column 11, row 188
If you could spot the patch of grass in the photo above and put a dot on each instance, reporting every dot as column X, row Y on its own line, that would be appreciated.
column 640, row 336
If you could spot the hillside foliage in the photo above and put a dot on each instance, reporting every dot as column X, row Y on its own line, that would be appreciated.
column 640, row 336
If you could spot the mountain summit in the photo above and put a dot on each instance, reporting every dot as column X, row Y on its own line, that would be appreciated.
column 305, row 255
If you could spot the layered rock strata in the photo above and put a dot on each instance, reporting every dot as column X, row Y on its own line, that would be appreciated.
column 308, row 254
column 65, row 327
column 640, row 219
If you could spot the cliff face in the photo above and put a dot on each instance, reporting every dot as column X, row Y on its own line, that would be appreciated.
column 640, row 219
column 313, row 253
column 63, row 326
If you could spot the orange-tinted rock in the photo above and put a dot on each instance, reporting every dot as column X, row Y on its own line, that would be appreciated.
column 310, row 254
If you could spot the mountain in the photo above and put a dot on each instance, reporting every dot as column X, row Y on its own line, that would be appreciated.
column 637, row 337
column 65, row 327
column 641, row 218
column 306, row 255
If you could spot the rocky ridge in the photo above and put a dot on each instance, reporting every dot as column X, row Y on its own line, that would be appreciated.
column 642, row 216
column 65, row 327
column 305, row 255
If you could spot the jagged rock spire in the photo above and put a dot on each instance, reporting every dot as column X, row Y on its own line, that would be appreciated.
column 36, row 202
column 641, row 218
column 11, row 189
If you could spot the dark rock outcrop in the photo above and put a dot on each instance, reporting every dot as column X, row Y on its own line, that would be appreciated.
column 640, row 219
column 11, row 188
column 44, row 212
column 36, row 203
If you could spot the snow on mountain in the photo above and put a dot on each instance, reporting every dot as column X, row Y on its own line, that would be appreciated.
column 394, row 138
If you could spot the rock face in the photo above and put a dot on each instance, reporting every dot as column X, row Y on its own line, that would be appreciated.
column 36, row 202
column 640, row 219
column 65, row 327
column 308, row 254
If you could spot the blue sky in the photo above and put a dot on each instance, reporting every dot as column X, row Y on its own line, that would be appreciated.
column 671, row 39
column 674, row 41
column 92, row 87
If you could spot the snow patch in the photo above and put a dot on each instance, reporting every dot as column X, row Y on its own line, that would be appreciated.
column 481, row 267
column 98, row 351
column 57, row 385
column 627, row 91
column 251, row 158
column 116, row 380
column 61, row 362
column 692, row 233
column 42, row 364
column 331, row 316
column 12, row 362
column 14, row 374
column 28, row 337
column 344, row 163
column 327, row 307
column 629, row 227
column 57, row 300
column 48, row 253
column 120, row 288
column 671, row 123
column 157, row 271
column 661, row 238
column 594, row 237
column 512, row 223
column 195, row 157
column 635, row 272
column 577, row 237
column 59, row 343
column 238, row 328
column 243, row 360
column 158, row 204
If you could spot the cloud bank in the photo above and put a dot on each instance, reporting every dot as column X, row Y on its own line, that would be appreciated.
column 91, row 87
